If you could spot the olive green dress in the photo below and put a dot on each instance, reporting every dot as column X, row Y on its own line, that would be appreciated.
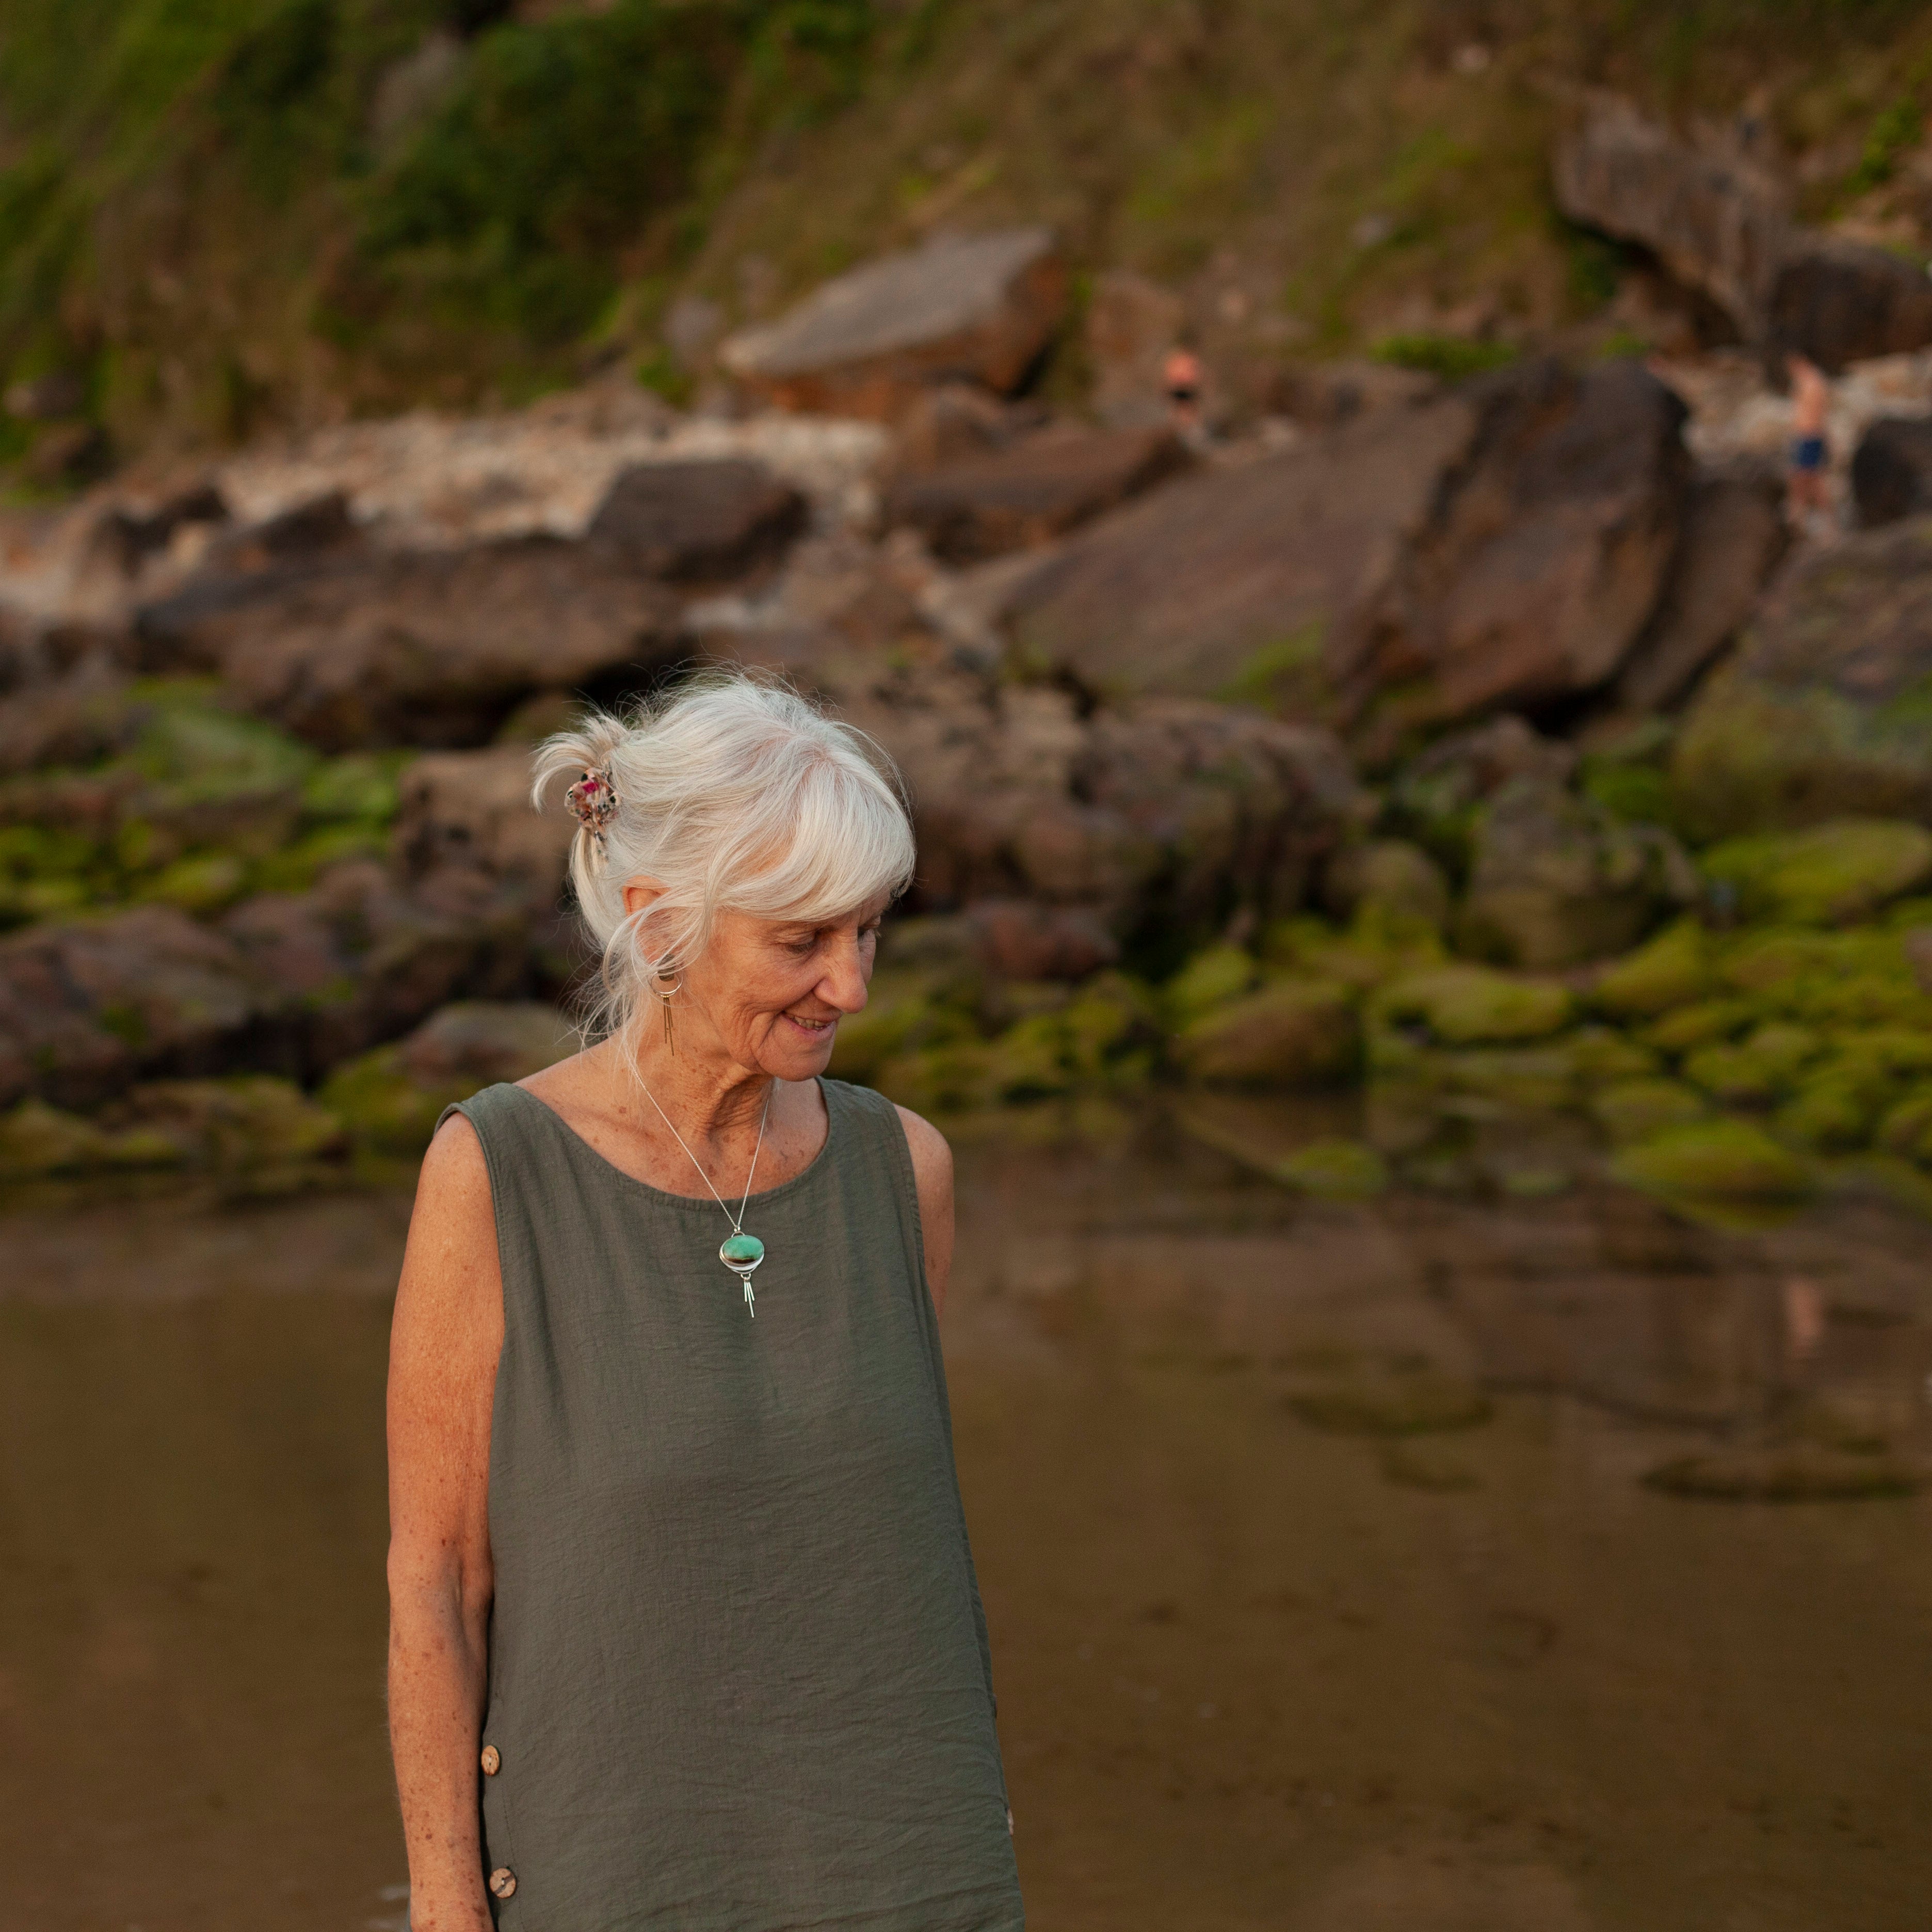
column 739, row 1678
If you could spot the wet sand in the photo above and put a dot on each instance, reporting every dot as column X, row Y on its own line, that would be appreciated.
column 1326, row 1590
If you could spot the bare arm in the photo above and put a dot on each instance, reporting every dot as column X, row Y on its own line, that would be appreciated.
column 932, row 1173
column 443, row 1348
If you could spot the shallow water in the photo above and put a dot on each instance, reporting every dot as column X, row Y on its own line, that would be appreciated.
column 1326, row 1590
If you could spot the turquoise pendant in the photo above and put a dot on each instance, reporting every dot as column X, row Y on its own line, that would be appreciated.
column 741, row 1253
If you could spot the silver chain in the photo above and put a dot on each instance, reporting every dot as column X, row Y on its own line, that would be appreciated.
column 736, row 1220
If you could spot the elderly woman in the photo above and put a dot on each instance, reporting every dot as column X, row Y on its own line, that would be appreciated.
column 684, row 1631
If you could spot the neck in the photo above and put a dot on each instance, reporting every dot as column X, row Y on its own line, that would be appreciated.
column 707, row 1095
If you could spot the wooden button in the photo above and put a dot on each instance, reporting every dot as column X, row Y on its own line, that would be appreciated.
column 502, row 1882
column 492, row 1760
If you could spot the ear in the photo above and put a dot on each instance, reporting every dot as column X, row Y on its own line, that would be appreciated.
column 640, row 894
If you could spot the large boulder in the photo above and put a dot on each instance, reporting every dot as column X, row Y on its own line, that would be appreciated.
column 1556, row 881
column 1891, row 470
column 423, row 647
column 698, row 520
column 1506, row 544
column 1157, row 817
column 87, row 1006
column 471, row 811
column 1821, row 714
column 979, row 308
column 1228, row 583
column 1537, row 574
column 1719, row 224
column 1295, row 1032
column 1031, row 491
column 1734, row 534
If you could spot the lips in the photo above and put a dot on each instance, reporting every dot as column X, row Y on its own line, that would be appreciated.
column 815, row 1029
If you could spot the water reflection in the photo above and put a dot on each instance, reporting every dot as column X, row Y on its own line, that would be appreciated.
column 1331, row 1583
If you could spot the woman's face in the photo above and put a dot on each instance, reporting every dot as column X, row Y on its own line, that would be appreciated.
column 774, row 990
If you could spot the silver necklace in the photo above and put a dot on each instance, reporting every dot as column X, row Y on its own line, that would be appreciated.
column 739, row 1252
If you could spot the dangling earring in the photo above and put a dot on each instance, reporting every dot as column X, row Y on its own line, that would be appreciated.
column 664, row 1007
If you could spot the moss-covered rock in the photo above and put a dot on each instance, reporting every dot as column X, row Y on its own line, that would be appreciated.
column 1463, row 1005
column 1833, row 1110
column 1420, row 1401
column 1556, row 880
column 906, row 1009
column 1718, row 1160
column 1600, row 1056
column 1906, row 1128
column 1505, row 1079
column 1830, row 874
column 202, row 885
column 1209, row 979
column 1822, row 712
column 1633, row 1111
column 1673, row 970
column 1685, row 1029
column 250, row 1125
column 1391, row 877
column 1756, row 1070
column 1798, row 1472
column 38, row 1141
column 1336, row 1169
column 385, row 1110
column 1293, row 1033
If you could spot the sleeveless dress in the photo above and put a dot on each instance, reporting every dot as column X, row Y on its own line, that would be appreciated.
column 739, row 1678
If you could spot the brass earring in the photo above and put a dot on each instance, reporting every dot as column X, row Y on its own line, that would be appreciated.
column 664, row 1007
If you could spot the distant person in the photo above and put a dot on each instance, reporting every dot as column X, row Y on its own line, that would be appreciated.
column 684, row 1627
column 1181, row 375
column 1806, row 492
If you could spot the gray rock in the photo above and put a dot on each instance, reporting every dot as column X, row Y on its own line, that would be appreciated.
column 1735, row 535
column 1891, row 470
column 1131, row 323
column 483, row 1041
column 978, row 308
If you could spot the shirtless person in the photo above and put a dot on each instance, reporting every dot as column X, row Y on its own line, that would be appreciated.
column 1811, row 403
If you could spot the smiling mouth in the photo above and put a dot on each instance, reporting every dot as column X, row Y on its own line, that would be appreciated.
column 818, row 1029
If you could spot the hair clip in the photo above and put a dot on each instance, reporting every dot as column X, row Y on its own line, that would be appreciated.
column 593, row 800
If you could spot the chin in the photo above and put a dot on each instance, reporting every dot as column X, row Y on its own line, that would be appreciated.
column 802, row 1054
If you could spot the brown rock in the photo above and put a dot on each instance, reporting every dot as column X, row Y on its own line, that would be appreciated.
column 1891, row 470
column 1735, row 535
column 1227, row 583
column 483, row 1041
column 471, row 811
column 1716, row 222
column 1531, row 581
column 1131, row 323
column 700, row 520
column 1719, row 223
column 86, row 1006
column 1019, row 939
column 976, row 308
column 418, row 648
column 1820, row 715
column 1161, row 814
column 1032, row 490
column 1292, row 1034
column 1556, row 881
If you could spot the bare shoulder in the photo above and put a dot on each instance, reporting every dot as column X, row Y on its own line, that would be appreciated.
column 932, row 1175
column 931, row 1156
column 451, row 1274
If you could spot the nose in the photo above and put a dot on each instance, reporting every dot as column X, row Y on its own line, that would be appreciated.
column 844, row 985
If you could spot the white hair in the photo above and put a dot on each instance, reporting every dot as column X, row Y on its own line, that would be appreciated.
column 732, row 792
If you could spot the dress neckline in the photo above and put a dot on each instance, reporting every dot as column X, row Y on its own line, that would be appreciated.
column 703, row 1203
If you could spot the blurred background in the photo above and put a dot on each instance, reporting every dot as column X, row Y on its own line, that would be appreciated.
column 1392, row 543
